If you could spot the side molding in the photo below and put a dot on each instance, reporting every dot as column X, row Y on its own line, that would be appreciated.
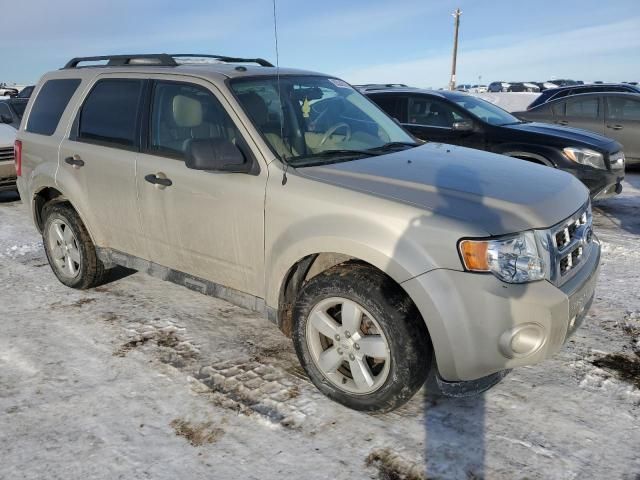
column 112, row 258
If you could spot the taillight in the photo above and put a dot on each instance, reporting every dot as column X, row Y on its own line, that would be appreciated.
column 17, row 155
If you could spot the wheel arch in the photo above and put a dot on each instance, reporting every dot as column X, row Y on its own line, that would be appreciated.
column 48, row 195
column 311, row 265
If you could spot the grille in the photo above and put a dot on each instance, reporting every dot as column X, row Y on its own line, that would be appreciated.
column 6, row 154
column 572, row 242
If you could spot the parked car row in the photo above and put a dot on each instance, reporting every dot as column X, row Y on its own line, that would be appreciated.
column 388, row 260
column 462, row 119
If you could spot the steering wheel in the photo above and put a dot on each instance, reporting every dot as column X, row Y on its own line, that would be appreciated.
column 332, row 129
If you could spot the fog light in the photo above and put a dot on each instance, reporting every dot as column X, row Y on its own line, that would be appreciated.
column 522, row 341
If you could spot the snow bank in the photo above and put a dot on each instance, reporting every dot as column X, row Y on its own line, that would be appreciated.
column 510, row 101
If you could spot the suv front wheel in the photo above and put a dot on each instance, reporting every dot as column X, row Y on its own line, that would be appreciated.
column 70, row 251
column 360, row 338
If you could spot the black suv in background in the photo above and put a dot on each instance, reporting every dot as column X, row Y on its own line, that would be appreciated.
column 461, row 119
column 561, row 92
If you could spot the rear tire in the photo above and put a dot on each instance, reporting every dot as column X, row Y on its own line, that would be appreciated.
column 69, row 248
column 374, row 359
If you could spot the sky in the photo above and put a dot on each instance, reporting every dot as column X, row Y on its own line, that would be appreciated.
column 401, row 41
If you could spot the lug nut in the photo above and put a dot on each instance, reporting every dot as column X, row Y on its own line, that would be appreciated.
column 347, row 334
column 356, row 346
column 337, row 337
column 352, row 356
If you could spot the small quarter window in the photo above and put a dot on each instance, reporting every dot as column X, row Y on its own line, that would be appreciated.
column 50, row 104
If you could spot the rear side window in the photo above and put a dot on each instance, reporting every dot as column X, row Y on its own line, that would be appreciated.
column 110, row 113
column 50, row 104
column 583, row 107
column 621, row 108
column 392, row 105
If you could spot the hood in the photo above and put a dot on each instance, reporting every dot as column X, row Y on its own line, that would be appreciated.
column 494, row 193
column 565, row 136
column 7, row 135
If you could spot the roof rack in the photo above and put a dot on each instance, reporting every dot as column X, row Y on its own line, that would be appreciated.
column 158, row 59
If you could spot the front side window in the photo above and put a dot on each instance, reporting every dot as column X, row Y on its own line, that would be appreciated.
column 183, row 112
column 621, row 108
column 432, row 113
column 110, row 113
column 306, row 118
column 50, row 104
column 484, row 110
column 582, row 108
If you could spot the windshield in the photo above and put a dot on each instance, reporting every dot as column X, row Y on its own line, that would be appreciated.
column 312, row 119
column 486, row 111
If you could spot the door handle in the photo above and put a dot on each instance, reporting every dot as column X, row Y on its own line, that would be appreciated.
column 615, row 127
column 75, row 161
column 562, row 122
column 154, row 179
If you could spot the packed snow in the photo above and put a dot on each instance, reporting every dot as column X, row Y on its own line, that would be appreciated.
column 141, row 378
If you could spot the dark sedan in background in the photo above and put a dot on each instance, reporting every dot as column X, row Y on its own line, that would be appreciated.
column 462, row 119
column 615, row 115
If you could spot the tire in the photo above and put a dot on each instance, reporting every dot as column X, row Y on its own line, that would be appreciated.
column 87, row 270
column 383, row 312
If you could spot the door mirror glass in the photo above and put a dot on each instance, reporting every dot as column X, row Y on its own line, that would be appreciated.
column 462, row 126
column 215, row 154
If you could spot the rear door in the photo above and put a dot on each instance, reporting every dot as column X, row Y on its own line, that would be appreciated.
column 584, row 111
column 207, row 224
column 98, row 162
column 623, row 123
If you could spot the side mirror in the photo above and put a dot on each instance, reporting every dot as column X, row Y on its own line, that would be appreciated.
column 463, row 126
column 215, row 154
column 5, row 118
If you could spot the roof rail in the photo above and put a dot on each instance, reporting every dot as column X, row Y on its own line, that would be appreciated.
column 158, row 59
column 260, row 61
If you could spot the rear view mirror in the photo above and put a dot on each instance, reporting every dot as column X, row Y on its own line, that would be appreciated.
column 215, row 155
column 463, row 126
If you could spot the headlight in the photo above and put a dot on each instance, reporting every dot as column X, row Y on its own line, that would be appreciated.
column 513, row 259
column 585, row 156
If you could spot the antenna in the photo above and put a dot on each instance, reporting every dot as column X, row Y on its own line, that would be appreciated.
column 275, row 34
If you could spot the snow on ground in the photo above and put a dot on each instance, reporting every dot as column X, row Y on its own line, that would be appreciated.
column 141, row 378
column 510, row 101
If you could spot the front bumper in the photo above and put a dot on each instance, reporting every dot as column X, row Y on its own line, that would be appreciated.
column 601, row 183
column 473, row 319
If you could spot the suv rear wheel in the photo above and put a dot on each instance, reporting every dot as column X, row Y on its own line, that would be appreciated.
column 70, row 251
column 360, row 338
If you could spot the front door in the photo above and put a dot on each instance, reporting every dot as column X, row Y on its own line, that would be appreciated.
column 436, row 120
column 207, row 224
column 622, row 123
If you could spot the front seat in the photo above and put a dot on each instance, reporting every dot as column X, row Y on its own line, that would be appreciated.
column 187, row 123
column 257, row 109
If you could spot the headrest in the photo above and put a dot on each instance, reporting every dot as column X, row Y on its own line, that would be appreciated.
column 187, row 111
column 255, row 106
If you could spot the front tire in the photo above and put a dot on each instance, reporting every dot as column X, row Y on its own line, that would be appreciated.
column 360, row 338
column 69, row 248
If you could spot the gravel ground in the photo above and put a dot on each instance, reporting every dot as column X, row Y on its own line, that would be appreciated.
column 141, row 378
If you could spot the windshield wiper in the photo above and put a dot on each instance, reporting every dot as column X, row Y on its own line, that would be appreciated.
column 334, row 155
column 392, row 146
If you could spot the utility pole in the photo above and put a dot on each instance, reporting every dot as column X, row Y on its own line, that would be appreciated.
column 452, row 81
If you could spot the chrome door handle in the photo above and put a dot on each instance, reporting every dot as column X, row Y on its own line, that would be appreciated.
column 75, row 161
column 154, row 179
column 615, row 127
